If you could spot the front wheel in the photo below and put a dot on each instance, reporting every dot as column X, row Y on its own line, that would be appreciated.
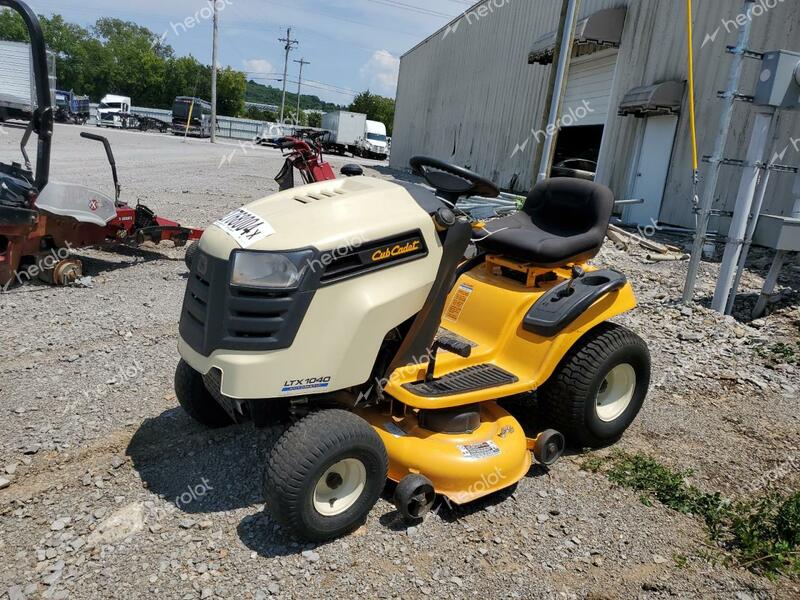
column 191, row 254
column 324, row 475
column 599, row 387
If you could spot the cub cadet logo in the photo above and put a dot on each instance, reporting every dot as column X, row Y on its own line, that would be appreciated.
column 396, row 250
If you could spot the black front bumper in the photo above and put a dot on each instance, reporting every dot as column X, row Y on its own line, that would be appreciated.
column 218, row 316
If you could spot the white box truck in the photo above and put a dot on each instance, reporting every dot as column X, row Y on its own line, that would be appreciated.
column 354, row 133
column 17, row 84
column 375, row 144
column 346, row 130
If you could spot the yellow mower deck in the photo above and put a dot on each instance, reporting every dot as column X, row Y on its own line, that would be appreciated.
column 462, row 467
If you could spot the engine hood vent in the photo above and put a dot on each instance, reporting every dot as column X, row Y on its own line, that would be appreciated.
column 317, row 196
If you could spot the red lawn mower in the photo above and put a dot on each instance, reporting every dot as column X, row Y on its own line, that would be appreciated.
column 41, row 220
column 305, row 154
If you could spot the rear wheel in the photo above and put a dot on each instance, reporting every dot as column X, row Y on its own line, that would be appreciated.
column 599, row 387
column 196, row 400
column 324, row 475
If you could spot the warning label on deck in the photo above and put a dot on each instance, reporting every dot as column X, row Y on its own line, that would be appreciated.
column 482, row 450
column 457, row 304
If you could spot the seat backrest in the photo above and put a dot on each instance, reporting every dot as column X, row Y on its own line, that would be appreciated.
column 568, row 207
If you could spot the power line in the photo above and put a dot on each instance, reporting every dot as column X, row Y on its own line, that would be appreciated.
column 265, row 76
column 411, row 8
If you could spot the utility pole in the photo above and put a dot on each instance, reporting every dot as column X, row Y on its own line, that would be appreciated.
column 290, row 44
column 301, row 62
column 559, row 87
column 214, row 67
column 551, row 85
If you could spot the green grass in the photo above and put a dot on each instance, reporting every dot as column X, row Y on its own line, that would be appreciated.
column 762, row 533
column 779, row 353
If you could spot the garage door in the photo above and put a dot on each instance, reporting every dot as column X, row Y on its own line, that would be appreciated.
column 590, row 79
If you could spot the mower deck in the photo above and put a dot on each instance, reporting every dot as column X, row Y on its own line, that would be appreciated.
column 462, row 467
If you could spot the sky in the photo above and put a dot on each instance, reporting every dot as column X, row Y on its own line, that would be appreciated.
column 352, row 45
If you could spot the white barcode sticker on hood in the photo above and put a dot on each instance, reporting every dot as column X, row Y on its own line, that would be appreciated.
column 245, row 227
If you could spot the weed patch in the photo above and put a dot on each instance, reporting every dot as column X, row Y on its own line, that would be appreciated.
column 779, row 353
column 763, row 533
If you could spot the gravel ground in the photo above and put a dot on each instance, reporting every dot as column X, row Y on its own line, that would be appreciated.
column 114, row 492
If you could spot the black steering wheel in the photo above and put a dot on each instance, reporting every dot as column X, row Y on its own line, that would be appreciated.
column 452, row 181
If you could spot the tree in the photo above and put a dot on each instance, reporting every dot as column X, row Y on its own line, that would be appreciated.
column 314, row 119
column 139, row 67
column 12, row 28
column 231, row 88
column 377, row 108
column 117, row 56
column 260, row 115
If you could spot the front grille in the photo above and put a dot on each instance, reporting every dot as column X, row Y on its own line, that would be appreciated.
column 217, row 316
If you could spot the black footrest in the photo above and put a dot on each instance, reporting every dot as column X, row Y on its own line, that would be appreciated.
column 454, row 345
column 471, row 379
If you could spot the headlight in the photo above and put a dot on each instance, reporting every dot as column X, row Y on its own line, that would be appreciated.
column 265, row 270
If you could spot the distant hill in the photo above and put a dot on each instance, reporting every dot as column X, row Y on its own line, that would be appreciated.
column 264, row 94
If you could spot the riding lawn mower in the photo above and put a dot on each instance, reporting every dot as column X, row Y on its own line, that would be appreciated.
column 39, row 217
column 343, row 318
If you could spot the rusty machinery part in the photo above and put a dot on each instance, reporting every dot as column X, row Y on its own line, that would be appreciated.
column 64, row 272
column 179, row 235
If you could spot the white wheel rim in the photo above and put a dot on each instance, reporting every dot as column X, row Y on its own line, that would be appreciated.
column 340, row 487
column 616, row 392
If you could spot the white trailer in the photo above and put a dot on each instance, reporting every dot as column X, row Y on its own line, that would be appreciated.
column 17, row 84
column 346, row 129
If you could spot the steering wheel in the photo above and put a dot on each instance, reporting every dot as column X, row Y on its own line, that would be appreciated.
column 452, row 181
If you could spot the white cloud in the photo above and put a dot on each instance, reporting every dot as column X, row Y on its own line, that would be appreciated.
column 381, row 72
column 258, row 67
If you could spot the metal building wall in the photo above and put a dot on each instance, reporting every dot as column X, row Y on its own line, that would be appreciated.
column 469, row 95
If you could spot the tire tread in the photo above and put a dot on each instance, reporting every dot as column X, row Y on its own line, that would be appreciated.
column 563, row 397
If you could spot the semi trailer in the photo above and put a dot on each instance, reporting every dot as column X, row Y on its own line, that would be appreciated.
column 17, row 85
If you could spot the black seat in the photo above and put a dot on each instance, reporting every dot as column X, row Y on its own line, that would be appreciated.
column 563, row 221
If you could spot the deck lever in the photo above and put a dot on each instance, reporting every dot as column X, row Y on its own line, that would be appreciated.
column 462, row 349
column 577, row 273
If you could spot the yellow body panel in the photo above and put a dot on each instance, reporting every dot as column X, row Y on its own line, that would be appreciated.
column 488, row 310
column 462, row 467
